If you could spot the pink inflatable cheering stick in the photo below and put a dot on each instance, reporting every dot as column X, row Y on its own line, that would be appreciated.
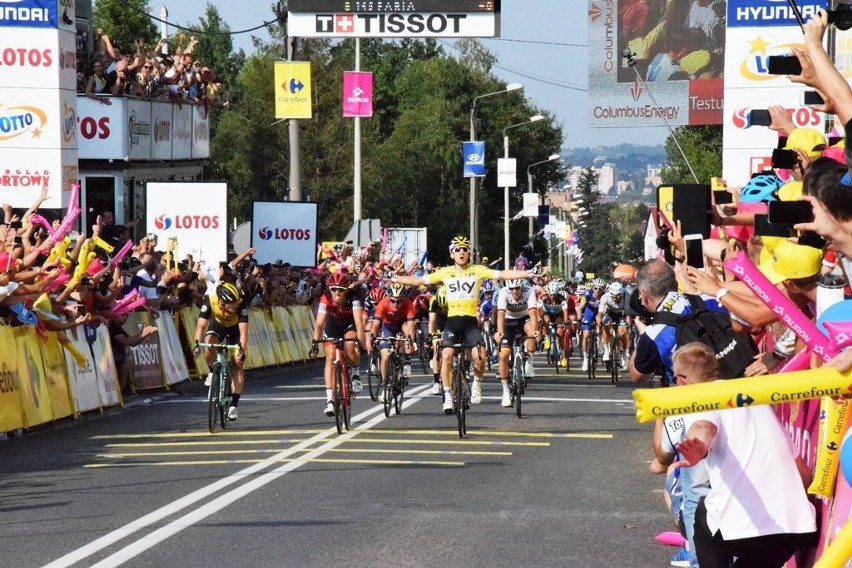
column 60, row 280
column 788, row 313
column 384, row 245
column 37, row 219
column 120, row 254
column 64, row 227
column 129, row 297
column 140, row 301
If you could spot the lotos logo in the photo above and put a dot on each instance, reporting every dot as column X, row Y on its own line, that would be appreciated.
column 18, row 120
column 163, row 222
column 283, row 234
column 755, row 65
column 802, row 117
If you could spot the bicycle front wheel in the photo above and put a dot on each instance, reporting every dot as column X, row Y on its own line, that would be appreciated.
column 397, row 399
column 374, row 380
column 224, row 397
column 338, row 398
column 459, row 381
column 213, row 398
column 615, row 355
column 393, row 371
column 517, row 382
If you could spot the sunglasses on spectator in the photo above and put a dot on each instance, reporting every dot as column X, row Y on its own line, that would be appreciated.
column 337, row 289
column 461, row 249
column 148, row 66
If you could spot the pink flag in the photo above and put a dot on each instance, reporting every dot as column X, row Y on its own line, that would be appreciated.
column 357, row 93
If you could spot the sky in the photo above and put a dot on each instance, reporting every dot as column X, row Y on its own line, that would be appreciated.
column 542, row 44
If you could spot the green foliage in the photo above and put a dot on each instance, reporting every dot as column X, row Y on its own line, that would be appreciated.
column 125, row 21
column 702, row 146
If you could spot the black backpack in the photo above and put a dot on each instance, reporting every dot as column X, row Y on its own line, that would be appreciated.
column 734, row 351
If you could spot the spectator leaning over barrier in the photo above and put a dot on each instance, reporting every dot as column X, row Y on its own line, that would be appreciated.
column 121, row 340
column 757, row 510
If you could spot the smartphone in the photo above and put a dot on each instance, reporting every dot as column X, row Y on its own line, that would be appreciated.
column 809, row 239
column 18, row 240
column 811, row 98
column 15, row 225
column 759, row 117
column 764, row 228
column 694, row 250
column 722, row 197
column 790, row 212
column 783, row 65
column 691, row 205
column 784, row 159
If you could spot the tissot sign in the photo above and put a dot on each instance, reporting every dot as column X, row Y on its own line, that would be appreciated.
column 393, row 24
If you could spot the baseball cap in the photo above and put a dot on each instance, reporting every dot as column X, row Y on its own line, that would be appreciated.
column 808, row 139
column 790, row 191
column 791, row 261
column 7, row 261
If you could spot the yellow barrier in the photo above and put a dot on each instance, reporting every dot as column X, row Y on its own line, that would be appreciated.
column 734, row 393
column 35, row 399
column 11, row 413
column 833, row 422
column 56, row 374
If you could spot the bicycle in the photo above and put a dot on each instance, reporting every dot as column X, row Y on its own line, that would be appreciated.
column 341, row 396
column 490, row 346
column 394, row 384
column 219, row 393
column 554, row 350
column 592, row 352
column 423, row 342
column 374, row 378
column 614, row 356
column 461, row 387
column 517, row 372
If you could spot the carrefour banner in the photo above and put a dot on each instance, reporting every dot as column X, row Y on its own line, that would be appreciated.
column 357, row 93
column 194, row 213
column 292, row 89
column 285, row 231
column 676, row 48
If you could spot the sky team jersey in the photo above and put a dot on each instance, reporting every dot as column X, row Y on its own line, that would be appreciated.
column 462, row 286
column 210, row 310
column 516, row 309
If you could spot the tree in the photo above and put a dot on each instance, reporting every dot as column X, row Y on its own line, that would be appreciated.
column 125, row 21
column 703, row 148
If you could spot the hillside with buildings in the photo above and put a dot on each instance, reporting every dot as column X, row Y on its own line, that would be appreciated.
column 625, row 172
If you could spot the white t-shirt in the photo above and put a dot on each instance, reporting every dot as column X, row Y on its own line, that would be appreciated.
column 516, row 309
column 755, row 487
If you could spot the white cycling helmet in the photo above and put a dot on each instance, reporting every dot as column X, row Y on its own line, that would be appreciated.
column 514, row 284
column 615, row 289
column 553, row 288
column 581, row 289
column 598, row 283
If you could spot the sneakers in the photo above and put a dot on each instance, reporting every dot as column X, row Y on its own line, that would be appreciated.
column 606, row 354
column 406, row 370
column 624, row 361
column 507, row 398
column 382, row 397
column 563, row 362
column 528, row 368
column 329, row 409
column 373, row 368
column 356, row 384
column 546, row 342
column 449, row 407
column 436, row 388
column 476, row 392
column 585, row 366
column 233, row 414
column 209, row 380
column 681, row 559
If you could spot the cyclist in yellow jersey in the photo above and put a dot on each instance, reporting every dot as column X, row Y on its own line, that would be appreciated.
column 462, row 281
column 224, row 319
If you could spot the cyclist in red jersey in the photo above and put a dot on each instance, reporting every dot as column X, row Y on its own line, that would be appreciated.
column 394, row 315
column 339, row 315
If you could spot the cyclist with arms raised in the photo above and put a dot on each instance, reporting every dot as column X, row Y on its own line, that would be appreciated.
column 339, row 316
column 224, row 319
column 462, row 281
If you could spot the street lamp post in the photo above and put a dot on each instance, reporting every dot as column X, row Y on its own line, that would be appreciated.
column 506, row 210
column 530, row 185
column 474, row 238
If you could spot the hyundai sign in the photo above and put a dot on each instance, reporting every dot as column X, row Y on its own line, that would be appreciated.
column 473, row 156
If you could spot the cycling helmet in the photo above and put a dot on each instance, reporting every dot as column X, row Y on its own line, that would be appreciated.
column 228, row 293
column 761, row 187
column 396, row 290
column 376, row 295
column 337, row 279
column 553, row 288
column 459, row 241
column 581, row 289
column 421, row 302
column 514, row 284
column 487, row 286
column 441, row 296
column 615, row 289
column 598, row 283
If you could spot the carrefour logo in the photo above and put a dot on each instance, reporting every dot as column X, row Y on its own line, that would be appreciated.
column 755, row 65
column 284, row 234
column 164, row 222
column 18, row 120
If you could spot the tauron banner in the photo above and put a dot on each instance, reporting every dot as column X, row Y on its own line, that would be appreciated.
column 357, row 93
column 676, row 48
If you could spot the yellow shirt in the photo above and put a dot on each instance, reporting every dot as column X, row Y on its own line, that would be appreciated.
column 462, row 286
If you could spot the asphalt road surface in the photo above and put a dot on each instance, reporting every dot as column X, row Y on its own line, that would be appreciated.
column 147, row 486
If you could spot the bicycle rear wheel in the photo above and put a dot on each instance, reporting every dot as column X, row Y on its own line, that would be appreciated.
column 423, row 353
column 398, row 396
column 213, row 398
column 459, row 381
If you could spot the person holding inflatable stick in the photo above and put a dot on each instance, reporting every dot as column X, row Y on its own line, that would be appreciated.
column 757, row 510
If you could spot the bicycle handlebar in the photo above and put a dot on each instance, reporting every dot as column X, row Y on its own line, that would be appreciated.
column 223, row 346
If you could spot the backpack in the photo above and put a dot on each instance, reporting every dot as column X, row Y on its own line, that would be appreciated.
column 734, row 351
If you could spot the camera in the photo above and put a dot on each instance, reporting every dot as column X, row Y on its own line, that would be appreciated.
column 841, row 16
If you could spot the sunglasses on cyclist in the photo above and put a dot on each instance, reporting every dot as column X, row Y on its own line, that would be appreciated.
column 394, row 300
column 338, row 289
column 461, row 249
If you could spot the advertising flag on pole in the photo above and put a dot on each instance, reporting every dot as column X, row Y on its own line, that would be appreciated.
column 357, row 93
column 473, row 155
column 292, row 89
column 506, row 172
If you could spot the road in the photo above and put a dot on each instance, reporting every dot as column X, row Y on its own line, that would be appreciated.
column 148, row 486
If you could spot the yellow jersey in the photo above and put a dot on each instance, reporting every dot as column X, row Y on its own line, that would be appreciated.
column 462, row 286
